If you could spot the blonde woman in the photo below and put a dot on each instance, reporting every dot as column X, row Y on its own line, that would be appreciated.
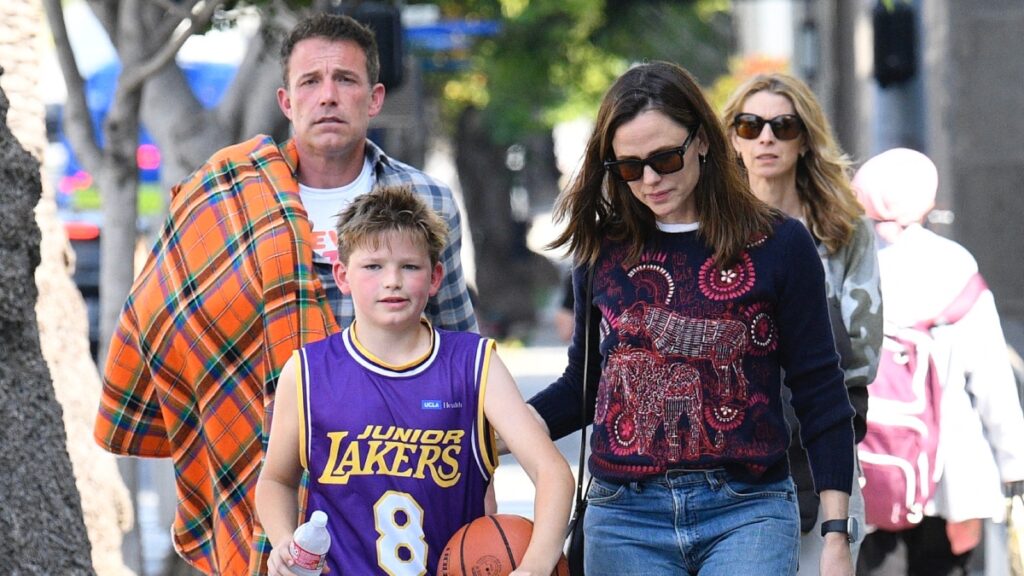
column 785, row 146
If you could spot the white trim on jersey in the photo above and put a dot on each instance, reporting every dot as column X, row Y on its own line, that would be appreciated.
column 367, row 360
column 481, row 369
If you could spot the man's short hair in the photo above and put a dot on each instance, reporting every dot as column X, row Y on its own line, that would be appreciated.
column 337, row 28
column 371, row 216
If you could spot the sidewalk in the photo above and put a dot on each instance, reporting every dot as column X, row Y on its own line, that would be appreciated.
column 534, row 365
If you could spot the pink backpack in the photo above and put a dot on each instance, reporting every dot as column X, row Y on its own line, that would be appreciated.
column 898, row 454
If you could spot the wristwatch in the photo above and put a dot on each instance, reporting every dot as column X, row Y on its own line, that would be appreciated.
column 846, row 526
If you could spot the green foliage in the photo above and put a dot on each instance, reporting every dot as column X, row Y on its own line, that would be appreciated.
column 692, row 34
column 554, row 59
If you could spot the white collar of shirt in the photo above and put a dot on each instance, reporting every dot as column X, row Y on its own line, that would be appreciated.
column 678, row 228
column 363, row 182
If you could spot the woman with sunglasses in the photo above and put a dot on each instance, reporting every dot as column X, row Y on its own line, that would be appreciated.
column 785, row 146
column 701, row 296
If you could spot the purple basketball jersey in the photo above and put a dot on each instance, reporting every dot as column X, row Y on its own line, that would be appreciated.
column 398, row 456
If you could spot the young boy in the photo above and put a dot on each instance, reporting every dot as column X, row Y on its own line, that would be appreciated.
column 393, row 418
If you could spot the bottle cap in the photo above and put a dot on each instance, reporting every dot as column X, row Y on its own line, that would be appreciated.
column 318, row 518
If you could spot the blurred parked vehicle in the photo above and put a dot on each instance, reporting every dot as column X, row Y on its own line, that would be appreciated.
column 84, row 236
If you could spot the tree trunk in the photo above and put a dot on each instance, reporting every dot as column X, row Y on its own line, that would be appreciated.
column 511, row 280
column 40, row 511
column 118, row 180
column 60, row 311
column 187, row 134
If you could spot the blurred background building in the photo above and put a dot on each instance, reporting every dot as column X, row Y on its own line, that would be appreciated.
column 945, row 83
column 938, row 76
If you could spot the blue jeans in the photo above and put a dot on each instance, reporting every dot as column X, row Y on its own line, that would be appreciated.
column 692, row 522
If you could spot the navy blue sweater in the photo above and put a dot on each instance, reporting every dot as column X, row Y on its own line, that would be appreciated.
column 687, row 373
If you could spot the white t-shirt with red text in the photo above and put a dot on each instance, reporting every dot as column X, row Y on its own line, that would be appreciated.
column 323, row 206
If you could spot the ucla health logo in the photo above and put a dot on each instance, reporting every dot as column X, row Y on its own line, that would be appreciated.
column 439, row 405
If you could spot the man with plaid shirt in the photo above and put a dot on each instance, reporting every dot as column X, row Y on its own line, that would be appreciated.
column 234, row 284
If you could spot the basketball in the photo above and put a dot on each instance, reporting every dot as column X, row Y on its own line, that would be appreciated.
column 490, row 546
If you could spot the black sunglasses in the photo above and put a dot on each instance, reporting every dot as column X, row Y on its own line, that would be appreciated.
column 785, row 126
column 665, row 162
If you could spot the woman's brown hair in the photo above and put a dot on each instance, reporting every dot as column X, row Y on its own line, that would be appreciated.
column 598, row 205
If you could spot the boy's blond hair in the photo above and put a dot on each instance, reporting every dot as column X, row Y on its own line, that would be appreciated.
column 371, row 216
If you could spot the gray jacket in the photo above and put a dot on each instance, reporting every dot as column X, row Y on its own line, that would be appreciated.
column 855, row 310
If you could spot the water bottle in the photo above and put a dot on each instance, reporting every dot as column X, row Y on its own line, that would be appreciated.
column 309, row 546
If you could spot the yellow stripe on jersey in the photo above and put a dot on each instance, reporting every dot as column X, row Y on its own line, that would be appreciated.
column 484, row 432
column 300, row 401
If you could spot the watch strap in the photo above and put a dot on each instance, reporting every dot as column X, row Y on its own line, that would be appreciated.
column 840, row 525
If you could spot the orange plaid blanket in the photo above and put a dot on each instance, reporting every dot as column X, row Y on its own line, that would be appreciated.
column 227, row 293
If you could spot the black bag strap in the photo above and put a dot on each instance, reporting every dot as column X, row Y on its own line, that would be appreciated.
column 588, row 302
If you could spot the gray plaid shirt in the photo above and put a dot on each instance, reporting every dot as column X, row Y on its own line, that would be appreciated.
column 451, row 308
